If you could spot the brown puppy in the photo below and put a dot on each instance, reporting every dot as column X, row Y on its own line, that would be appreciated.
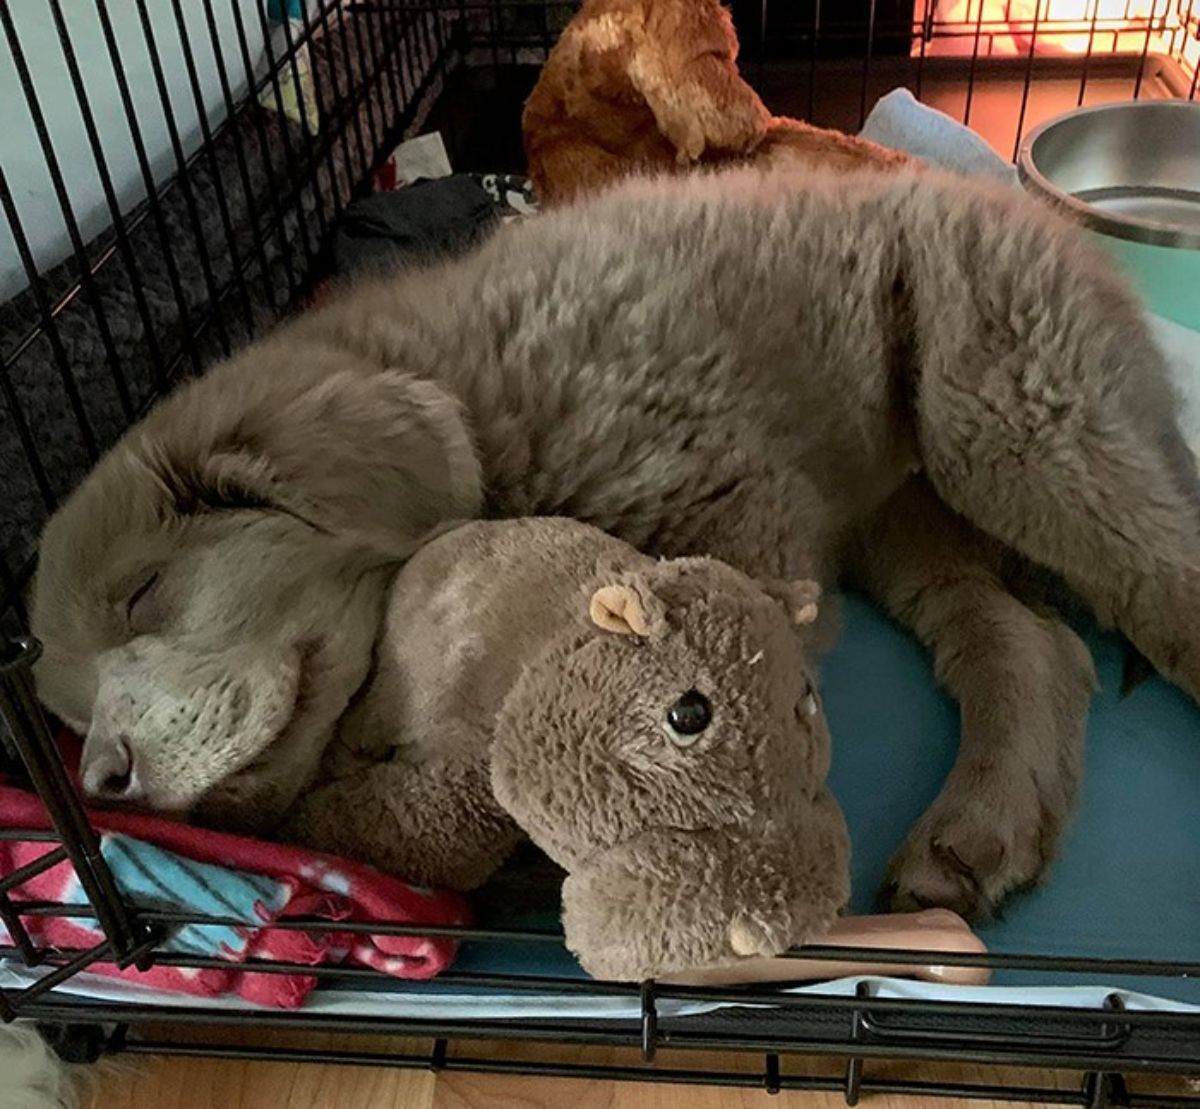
column 726, row 364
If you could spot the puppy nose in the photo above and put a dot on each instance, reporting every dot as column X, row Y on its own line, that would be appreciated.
column 109, row 772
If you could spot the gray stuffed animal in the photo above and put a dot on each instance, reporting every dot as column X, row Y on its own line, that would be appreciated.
column 648, row 724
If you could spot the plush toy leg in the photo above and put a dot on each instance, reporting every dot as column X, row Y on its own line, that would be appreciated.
column 1024, row 682
column 435, row 824
column 673, row 901
column 567, row 167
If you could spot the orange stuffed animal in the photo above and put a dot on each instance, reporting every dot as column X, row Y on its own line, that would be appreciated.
column 653, row 85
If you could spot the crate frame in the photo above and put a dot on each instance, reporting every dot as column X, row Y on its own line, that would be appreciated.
column 395, row 77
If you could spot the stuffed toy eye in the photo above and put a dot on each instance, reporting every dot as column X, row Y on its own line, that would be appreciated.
column 688, row 717
column 140, row 608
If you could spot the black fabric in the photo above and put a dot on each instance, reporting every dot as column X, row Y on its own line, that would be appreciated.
column 415, row 224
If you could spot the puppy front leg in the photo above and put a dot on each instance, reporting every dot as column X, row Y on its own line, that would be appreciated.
column 1024, row 683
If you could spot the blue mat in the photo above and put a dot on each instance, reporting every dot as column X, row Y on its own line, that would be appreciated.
column 1127, row 884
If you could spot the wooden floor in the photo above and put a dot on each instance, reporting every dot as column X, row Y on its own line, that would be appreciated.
column 154, row 1082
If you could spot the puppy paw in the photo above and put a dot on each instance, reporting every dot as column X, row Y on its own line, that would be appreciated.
column 969, row 853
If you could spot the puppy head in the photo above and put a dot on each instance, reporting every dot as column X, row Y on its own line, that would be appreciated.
column 208, row 598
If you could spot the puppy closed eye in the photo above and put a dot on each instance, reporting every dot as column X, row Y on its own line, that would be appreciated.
column 143, row 610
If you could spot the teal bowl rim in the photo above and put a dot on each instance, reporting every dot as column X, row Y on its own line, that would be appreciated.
column 1120, row 227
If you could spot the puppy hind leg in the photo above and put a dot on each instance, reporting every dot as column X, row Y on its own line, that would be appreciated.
column 1098, row 487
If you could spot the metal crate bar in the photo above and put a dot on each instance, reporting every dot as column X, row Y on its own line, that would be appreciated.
column 50, row 158
column 370, row 66
column 1078, row 964
column 1099, row 1027
column 26, row 949
column 243, row 166
column 308, row 169
column 770, row 1079
column 279, row 223
column 102, row 952
column 35, row 745
column 218, row 180
column 153, row 193
column 181, row 164
column 120, row 231
column 23, row 874
column 49, row 328
column 629, row 1034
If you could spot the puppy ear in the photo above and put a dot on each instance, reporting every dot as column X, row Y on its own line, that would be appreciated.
column 626, row 609
column 800, row 598
column 377, row 456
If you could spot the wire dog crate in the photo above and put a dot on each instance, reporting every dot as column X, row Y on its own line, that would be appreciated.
column 172, row 196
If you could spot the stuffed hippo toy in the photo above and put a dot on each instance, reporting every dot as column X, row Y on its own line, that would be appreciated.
column 652, row 726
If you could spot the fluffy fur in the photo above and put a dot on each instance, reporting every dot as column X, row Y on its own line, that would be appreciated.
column 745, row 365
column 652, row 86
column 525, row 677
column 31, row 1075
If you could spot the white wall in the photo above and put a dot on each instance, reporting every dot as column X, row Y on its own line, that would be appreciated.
column 20, row 152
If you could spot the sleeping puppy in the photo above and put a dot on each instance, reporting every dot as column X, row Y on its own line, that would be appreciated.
column 748, row 365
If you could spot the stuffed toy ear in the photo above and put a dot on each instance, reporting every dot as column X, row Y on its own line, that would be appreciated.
column 620, row 609
column 800, row 598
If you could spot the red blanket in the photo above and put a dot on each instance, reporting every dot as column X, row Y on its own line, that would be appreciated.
column 161, row 863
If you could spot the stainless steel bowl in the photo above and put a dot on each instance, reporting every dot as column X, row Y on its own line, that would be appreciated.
column 1131, row 171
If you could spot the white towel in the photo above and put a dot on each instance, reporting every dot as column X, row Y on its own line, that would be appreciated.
column 902, row 122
